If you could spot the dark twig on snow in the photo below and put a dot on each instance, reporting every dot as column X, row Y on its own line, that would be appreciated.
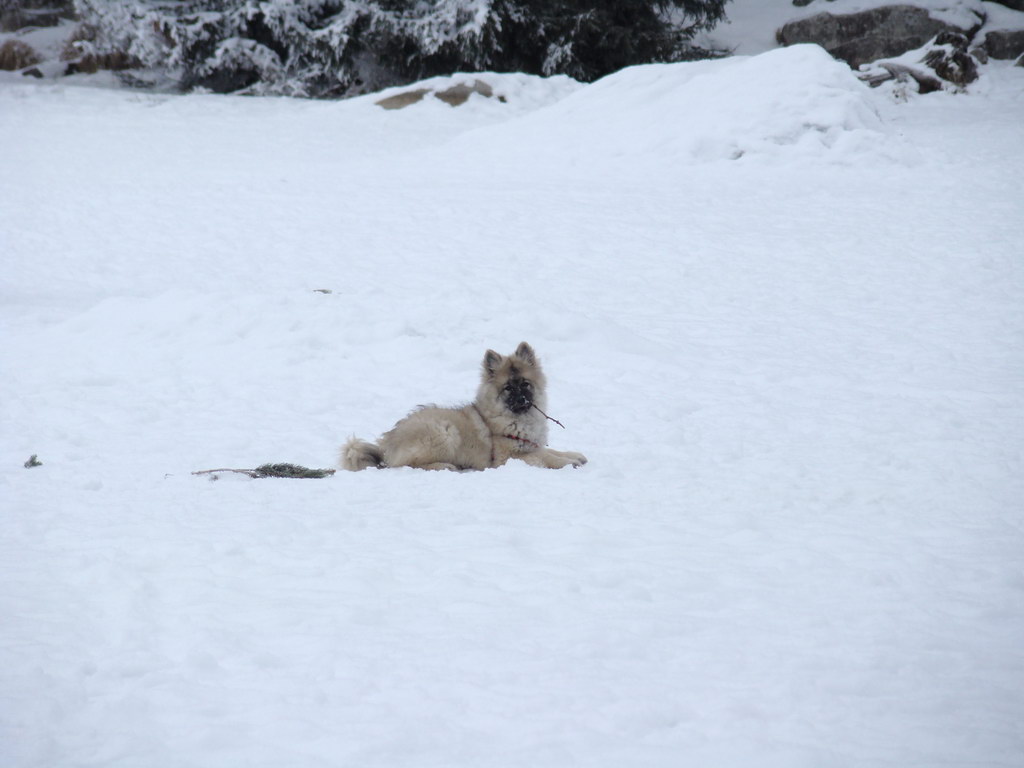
column 249, row 472
column 273, row 470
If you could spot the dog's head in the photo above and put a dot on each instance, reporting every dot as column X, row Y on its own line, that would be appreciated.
column 517, row 380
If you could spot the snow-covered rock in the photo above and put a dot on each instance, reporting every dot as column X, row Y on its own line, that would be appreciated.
column 865, row 36
column 20, row 14
column 16, row 54
column 1004, row 43
column 453, row 95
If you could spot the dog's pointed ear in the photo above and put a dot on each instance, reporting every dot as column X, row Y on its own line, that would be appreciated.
column 491, row 362
column 525, row 353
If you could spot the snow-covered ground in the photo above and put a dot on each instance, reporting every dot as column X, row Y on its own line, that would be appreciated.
column 781, row 314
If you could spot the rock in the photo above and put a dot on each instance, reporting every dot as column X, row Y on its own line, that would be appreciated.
column 33, row 72
column 1004, row 43
column 15, row 54
column 91, row 63
column 1017, row 5
column 400, row 100
column 80, row 53
column 79, row 41
column 226, row 80
column 34, row 13
column 901, row 74
column 950, row 61
column 947, row 57
column 455, row 95
column 859, row 38
column 459, row 94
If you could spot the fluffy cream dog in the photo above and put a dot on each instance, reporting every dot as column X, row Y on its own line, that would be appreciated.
column 506, row 421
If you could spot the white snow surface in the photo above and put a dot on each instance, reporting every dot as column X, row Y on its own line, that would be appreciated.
column 797, row 373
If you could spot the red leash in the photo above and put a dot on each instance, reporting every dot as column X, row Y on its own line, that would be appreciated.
column 522, row 440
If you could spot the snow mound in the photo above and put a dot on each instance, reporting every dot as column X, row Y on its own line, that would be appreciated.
column 792, row 101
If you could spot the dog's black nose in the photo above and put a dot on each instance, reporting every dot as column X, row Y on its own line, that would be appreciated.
column 518, row 395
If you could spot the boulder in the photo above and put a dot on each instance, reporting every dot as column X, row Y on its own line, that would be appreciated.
column 80, row 53
column 859, row 38
column 1004, row 43
column 401, row 100
column 890, row 70
column 1017, row 5
column 34, row 13
column 459, row 94
column 91, row 63
column 225, row 79
column 950, row 60
column 454, row 95
column 946, row 57
column 15, row 54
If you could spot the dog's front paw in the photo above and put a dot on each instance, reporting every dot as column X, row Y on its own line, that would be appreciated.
column 577, row 459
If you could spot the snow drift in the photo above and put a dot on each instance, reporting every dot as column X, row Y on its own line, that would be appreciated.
column 790, row 103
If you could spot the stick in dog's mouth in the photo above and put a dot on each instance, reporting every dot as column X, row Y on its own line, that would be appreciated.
column 548, row 417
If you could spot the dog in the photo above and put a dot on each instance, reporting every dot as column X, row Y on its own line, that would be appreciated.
column 505, row 421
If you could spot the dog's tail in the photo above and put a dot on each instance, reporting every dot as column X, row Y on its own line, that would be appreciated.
column 358, row 454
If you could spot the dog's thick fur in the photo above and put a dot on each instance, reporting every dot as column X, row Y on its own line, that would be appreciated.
column 504, row 422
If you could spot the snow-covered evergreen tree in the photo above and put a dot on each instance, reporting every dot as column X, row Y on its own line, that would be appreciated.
column 345, row 47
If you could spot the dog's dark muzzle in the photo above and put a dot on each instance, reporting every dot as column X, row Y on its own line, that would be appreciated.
column 518, row 395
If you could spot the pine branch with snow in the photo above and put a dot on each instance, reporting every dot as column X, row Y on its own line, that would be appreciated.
column 340, row 48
